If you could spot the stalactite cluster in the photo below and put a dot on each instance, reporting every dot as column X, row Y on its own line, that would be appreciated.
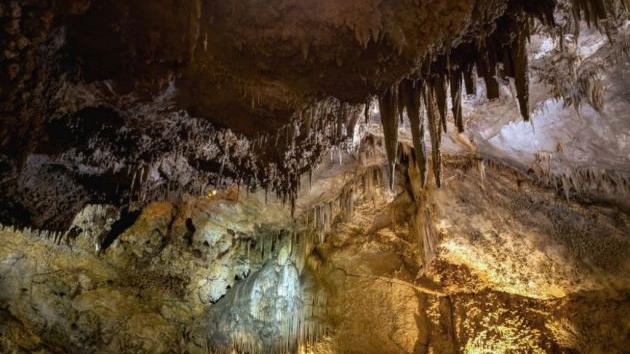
column 599, row 13
column 498, row 56
column 579, row 181
column 121, row 160
column 127, row 148
column 314, row 130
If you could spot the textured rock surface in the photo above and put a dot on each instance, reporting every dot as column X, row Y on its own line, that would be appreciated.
column 141, row 292
column 506, row 278
column 239, row 176
column 515, row 269
column 245, row 66
column 125, row 104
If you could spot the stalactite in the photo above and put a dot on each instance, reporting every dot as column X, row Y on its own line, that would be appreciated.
column 389, row 120
column 400, row 104
column 595, row 11
column 520, row 66
column 456, row 98
column 469, row 80
column 411, row 94
column 486, row 68
column 439, row 88
column 435, row 134
column 503, row 44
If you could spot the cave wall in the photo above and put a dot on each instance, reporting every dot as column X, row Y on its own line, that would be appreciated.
column 515, row 268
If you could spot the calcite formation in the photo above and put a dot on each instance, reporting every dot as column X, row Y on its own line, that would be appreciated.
column 314, row 176
column 513, row 269
column 118, row 96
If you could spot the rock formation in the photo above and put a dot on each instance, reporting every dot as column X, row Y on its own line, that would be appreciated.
column 317, row 176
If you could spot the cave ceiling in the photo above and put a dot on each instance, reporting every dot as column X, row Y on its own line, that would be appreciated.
column 126, row 102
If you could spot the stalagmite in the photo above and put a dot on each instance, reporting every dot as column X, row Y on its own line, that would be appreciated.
column 430, row 236
column 352, row 122
column 565, row 187
column 389, row 121
column 482, row 171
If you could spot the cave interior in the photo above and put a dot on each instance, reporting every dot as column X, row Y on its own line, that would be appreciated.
column 315, row 176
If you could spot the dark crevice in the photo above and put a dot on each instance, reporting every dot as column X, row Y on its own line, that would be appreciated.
column 190, row 231
column 127, row 218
